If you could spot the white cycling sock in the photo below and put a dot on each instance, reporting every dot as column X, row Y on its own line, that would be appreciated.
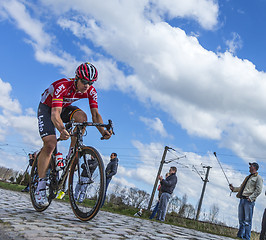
column 41, row 184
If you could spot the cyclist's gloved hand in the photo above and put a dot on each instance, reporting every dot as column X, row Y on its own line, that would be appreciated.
column 64, row 135
column 106, row 134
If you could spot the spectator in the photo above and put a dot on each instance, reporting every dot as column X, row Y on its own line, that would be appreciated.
column 157, row 204
column 110, row 171
column 85, row 179
column 249, row 190
column 263, row 226
column 167, row 188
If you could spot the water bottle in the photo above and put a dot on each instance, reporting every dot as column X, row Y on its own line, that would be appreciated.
column 59, row 161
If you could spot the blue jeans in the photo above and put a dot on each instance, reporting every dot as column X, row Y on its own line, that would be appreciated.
column 108, row 180
column 245, row 213
column 162, row 209
column 80, row 189
column 154, row 210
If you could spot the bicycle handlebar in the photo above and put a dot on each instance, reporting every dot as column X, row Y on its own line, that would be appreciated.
column 109, row 127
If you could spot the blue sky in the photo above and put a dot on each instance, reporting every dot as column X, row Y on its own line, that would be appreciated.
column 190, row 76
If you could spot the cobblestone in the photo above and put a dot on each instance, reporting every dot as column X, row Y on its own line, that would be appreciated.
column 21, row 221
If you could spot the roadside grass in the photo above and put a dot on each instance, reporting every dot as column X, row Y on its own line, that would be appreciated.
column 171, row 218
column 11, row 186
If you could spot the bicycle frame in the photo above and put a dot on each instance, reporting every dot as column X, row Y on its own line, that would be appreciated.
column 58, row 184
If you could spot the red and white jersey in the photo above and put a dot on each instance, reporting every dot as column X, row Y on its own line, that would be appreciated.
column 62, row 93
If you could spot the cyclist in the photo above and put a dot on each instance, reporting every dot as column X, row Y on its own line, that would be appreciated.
column 55, row 109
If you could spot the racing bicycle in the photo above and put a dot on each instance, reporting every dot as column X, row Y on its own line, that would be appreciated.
column 83, row 158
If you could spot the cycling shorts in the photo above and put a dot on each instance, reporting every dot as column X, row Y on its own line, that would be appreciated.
column 46, row 126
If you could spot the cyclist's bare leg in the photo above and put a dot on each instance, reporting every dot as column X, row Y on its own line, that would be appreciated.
column 79, row 117
column 49, row 144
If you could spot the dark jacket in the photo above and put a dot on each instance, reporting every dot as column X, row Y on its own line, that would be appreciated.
column 111, row 168
column 168, row 184
column 31, row 160
column 92, row 164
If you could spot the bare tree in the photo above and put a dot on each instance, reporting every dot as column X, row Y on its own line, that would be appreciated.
column 8, row 174
column 184, row 209
column 116, row 189
column 174, row 204
column 190, row 211
column 183, row 205
column 137, row 198
column 3, row 171
column 118, row 195
column 214, row 212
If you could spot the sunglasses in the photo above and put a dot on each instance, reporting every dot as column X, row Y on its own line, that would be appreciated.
column 84, row 81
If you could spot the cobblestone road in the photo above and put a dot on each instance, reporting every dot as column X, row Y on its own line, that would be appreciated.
column 21, row 221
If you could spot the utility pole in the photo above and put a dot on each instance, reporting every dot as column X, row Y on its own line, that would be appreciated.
column 157, row 178
column 203, row 190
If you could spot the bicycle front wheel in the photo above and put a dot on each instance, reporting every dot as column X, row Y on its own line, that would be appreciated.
column 86, row 183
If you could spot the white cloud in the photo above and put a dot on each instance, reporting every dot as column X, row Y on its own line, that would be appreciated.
column 204, row 12
column 122, row 182
column 13, row 121
column 234, row 44
column 120, row 38
column 27, row 127
column 7, row 104
column 156, row 125
column 207, row 93
column 15, row 161
column 34, row 28
column 146, row 170
column 64, row 60
column 41, row 41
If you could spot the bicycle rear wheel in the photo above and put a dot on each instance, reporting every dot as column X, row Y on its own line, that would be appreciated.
column 86, row 183
column 34, row 177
